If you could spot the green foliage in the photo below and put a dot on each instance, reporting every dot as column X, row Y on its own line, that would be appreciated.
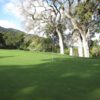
column 95, row 49
column 2, row 42
column 84, row 11
column 97, row 27
column 67, row 51
column 51, row 28
column 11, row 38
column 46, row 44
column 75, row 51
column 36, row 43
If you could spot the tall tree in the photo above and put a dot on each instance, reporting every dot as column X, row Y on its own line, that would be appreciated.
column 40, row 13
column 80, row 14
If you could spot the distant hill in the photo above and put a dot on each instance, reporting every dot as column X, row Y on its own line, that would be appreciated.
column 11, row 38
column 10, row 30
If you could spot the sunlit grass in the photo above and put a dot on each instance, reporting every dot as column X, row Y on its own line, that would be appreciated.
column 28, row 75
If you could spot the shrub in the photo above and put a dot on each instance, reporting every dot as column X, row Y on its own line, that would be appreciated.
column 95, row 51
column 36, row 43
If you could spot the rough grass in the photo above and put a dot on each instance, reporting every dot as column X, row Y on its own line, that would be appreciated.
column 36, row 76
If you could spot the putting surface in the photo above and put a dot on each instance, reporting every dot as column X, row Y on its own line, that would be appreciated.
column 28, row 75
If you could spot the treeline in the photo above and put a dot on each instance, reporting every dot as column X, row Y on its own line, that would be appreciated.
column 10, row 38
column 15, row 39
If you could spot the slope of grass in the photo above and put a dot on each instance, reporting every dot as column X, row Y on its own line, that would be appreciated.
column 36, row 76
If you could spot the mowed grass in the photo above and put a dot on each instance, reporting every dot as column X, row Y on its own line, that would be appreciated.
column 28, row 75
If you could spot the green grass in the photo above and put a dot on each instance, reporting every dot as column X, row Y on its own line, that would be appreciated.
column 35, row 76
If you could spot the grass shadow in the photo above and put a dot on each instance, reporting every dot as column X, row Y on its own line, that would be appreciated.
column 6, row 57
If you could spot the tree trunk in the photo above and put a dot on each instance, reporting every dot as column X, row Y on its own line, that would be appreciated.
column 86, row 47
column 71, row 51
column 80, row 48
column 61, row 44
column 80, row 51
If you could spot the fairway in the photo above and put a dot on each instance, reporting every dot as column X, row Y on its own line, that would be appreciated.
column 28, row 75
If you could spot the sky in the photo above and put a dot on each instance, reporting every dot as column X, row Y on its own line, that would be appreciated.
column 8, row 17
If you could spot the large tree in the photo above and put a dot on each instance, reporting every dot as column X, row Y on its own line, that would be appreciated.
column 80, row 13
column 85, row 23
column 40, row 13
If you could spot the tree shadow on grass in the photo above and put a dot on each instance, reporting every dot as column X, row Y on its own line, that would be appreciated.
column 62, row 79
column 6, row 57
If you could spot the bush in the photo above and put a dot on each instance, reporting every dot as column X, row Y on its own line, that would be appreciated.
column 36, row 43
column 95, row 51
column 67, row 51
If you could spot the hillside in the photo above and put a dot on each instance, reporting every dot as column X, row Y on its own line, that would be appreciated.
column 10, row 38
column 10, row 30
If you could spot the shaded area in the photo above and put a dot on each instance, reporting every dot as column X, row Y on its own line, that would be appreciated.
column 5, row 57
column 62, row 79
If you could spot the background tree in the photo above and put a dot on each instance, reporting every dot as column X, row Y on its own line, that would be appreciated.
column 2, row 41
column 37, row 43
column 41, row 13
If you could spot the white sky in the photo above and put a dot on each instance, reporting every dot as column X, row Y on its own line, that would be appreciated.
column 9, row 15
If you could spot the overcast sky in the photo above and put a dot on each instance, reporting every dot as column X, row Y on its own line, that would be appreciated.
column 8, row 15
